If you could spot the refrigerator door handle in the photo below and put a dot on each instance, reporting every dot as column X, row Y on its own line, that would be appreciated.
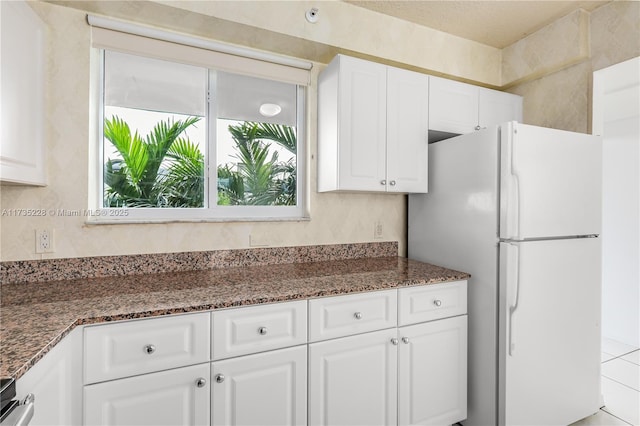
column 516, row 184
column 513, row 292
column 510, row 198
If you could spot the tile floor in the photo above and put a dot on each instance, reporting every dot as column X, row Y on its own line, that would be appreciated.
column 620, row 386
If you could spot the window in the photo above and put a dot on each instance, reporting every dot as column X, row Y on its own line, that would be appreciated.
column 183, row 141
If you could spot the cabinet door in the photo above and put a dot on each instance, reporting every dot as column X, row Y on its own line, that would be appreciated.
column 453, row 106
column 22, row 103
column 172, row 397
column 56, row 381
column 498, row 107
column 353, row 380
column 407, row 130
column 432, row 382
column 362, row 125
column 263, row 389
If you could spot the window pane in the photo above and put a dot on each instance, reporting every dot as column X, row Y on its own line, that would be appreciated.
column 256, row 142
column 154, row 133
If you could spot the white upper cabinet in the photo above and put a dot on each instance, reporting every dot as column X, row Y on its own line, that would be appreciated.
column 21, row 94
column 407, row 130
column 459, row 108
column 498, row 107
column 372, row 128
column 453, row 106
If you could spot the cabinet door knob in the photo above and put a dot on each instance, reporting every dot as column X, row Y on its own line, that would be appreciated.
column 394, row 341
column 383, row 182
column 149, row 349
column 262, row 331
column 357, row 315
column 219, row 378
column 437, row 302
column 201, row 382
column 405, row 340
column 478, row 127
column 392, row 183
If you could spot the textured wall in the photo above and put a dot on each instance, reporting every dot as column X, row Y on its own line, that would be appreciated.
column 557, row 88
column 363, row 32
column 615, row 33
column 559, row 100
column 335, row 218
column 554, row 47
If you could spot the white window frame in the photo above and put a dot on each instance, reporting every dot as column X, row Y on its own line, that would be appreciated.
column 212, row 212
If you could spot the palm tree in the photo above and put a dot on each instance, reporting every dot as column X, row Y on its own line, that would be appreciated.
column 184, row 180
column 138, row 179
column 260, row 178
column 167, row 170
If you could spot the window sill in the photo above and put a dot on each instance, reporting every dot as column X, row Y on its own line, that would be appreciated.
column 141, row 221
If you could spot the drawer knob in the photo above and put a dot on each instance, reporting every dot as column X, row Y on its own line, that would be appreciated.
column 262, row 331
column 357, row 315
column 394, row 341
column 405, row 340
column 201, row 382
column 149, row 349
column 383, row 182
column 392, row 183
column 437, row 302
column 219, row 378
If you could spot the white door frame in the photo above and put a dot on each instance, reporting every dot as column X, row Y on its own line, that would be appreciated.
column 616, row 117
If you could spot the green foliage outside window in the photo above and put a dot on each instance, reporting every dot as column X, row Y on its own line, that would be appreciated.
column 166, row 169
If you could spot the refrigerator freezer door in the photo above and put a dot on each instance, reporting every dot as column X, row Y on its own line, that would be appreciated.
column 551, row 183
column 549, row 341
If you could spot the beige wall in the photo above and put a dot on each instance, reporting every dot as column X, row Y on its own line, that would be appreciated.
column 556, row 95
column 335, row 218
column 557, row 86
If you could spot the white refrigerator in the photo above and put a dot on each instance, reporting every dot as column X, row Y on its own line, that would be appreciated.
column 519, row 208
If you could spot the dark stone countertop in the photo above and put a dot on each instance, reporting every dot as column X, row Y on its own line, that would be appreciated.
column 34, row 317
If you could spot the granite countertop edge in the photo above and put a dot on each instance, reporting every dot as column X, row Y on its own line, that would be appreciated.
column 16, row 364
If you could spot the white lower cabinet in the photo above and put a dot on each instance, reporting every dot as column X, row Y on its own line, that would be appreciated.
column 173, row 397
column 391, row 357
column 56, row 382
column 262, row 389
column 353, row 380
column 415, row 374
column 432, row 372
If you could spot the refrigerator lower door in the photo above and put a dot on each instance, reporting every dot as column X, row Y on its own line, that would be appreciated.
column 549, row 340
column 550, row 182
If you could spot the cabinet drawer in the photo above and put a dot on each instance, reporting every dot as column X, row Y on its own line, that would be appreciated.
column 346, row 315
column 143, row 346
column 426, row 303
column 254, row 329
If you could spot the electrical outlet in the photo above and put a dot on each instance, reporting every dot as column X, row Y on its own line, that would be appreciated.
column 44, row 240
column 378, row 230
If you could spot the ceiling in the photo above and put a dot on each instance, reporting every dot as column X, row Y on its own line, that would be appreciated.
column 494, row 23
